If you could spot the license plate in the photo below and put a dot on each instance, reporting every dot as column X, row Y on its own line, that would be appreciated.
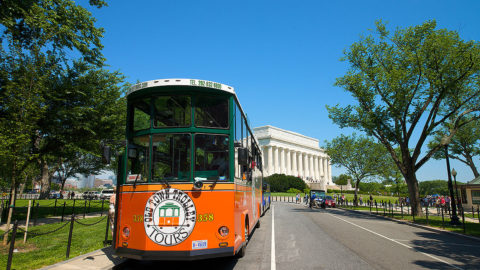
column 201, row 244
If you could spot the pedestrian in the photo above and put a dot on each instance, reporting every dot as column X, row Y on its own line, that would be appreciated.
column 297, row 197
column 73, row 194
column 111, row 210
column 361, row 200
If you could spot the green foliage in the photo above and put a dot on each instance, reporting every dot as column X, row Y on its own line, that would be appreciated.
column 410, row 82
column 361, row 156
column 342, row 179
column 282, row 183
column 293, row 190
column 464, row 146
column 55, row 109
column 433, row 187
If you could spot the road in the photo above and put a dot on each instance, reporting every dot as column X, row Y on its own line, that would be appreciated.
column 339, row 239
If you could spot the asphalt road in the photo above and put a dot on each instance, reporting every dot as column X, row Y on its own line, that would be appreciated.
column 339, row 239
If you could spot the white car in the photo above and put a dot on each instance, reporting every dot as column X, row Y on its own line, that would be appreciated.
column 106, row 194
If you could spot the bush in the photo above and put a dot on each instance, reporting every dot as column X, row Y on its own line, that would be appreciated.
column 293, row 190
column 282, row 183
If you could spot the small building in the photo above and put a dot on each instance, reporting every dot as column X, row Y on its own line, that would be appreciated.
column 471, row 193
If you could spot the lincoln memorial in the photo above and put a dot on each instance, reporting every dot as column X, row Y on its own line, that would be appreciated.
column 291, row 153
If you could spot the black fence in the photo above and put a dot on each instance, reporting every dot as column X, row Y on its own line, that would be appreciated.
column 72, row 220
column 51, row 208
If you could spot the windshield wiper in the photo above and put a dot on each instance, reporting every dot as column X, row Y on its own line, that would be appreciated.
column 135, row 182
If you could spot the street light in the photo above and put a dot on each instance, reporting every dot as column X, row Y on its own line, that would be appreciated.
column 454, row 173
column 455, row 220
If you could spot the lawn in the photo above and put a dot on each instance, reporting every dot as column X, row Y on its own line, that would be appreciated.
column 52, row 207
column 49, row 249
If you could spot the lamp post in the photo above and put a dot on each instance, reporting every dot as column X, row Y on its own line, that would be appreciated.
column 454, row 173
column 455, row 220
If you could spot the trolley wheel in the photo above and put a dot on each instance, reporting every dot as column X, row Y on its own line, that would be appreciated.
column 258, row 224
column 243, row 250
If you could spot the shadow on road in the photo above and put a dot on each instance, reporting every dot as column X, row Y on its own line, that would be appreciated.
column 441, row 245
column 217, row 263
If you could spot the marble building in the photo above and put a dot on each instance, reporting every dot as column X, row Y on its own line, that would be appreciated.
column 291, row 153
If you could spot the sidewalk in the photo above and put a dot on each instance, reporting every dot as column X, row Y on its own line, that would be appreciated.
column 98, row 259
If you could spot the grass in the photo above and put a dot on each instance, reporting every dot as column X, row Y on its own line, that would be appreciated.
column 47, row 208
column 49, row 249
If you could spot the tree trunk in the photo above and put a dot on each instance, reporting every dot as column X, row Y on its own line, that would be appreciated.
column 472, row 166
column 355, row 199
column 413, row 192
column 10, row 210
column 45, row 181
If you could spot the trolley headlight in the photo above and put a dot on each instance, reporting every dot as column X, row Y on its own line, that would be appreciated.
column 223, row 231
column 198, row 184
column 126, row 232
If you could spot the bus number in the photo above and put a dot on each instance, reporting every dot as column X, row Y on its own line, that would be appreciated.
column 137, row 218
column 205, row 218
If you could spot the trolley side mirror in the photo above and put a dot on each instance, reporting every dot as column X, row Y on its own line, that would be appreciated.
column 243, row 156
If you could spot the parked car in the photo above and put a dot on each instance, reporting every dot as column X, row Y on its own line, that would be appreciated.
column 329, row 201
column 91, row 195
column 106, row 194
column 55, row 195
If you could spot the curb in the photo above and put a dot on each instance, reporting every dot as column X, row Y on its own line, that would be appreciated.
column 428, row 228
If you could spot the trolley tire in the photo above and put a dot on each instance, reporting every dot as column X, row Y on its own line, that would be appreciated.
column 258, row 224
column 243, row 250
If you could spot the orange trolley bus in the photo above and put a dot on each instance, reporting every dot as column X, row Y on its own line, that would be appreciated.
column 190, row 179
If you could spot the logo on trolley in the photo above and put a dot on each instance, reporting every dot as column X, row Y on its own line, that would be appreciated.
column 169, row 217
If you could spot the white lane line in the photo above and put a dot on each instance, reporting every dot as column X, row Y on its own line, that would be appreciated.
column 395, row 241
column 272, row 260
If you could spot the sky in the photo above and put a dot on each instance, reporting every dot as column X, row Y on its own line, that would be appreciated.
column 282, row 57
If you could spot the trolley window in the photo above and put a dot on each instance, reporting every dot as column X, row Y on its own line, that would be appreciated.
column 211, row 157
column 211, row 111
column 141, row 114
column 172, row 111
column 171, row 157
column 138, row 159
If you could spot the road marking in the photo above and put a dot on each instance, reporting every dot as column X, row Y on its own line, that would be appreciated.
column 272, row 259
column 395, row 241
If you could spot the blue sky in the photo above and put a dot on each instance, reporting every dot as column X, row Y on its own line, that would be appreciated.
column 282, row 57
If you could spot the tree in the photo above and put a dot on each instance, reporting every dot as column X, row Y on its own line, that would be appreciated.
column 359, row 155
column 407, row 85
column 35, row 39
column 282, row 182
column 342, row 179
column 464, row 146
column 434, row 187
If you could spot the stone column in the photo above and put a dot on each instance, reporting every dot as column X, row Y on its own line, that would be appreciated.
column 294, row 164
column 305, row 164
column 315, row 165
column 282, row 160
column 325, row 168
column 289, row 163
column 320, row 166
column 310, row 159
column 300, row 165
column 275, row 153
